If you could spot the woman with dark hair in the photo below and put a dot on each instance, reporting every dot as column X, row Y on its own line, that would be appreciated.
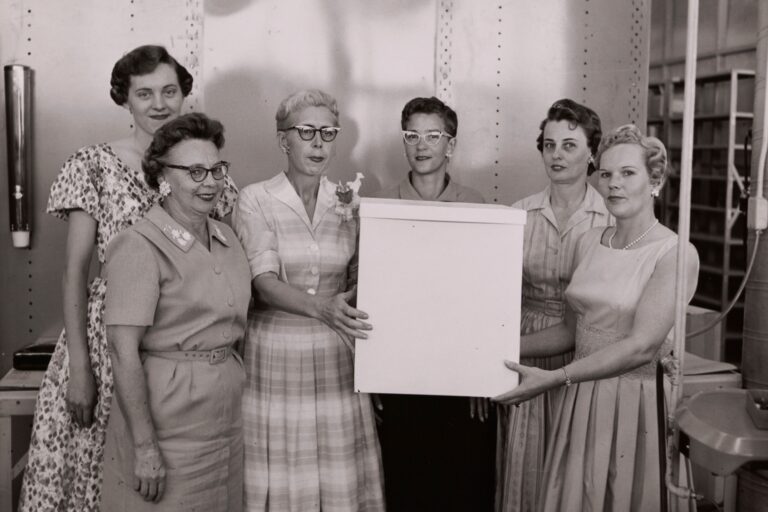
column 429, row 129
column 100, row 191
column 438, row 451
column 620, row 307
column 310, row 439
column 557, row 217
column 175, row 310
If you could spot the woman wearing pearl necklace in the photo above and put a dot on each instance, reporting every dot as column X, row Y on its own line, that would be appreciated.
column 619, row 317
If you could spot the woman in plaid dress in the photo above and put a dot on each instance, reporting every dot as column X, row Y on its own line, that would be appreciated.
column 310, row 440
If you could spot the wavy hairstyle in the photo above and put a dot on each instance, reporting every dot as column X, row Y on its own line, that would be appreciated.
column 300, row 100
column 189, row 126
column 142, row 61
column 431, row 106
column 656, row 162
column 577, row 115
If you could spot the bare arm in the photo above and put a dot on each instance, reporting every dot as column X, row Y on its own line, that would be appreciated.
column 132, row 397
column 333, row 311
column 553, row 340
column 654, row 318
column 81, row 390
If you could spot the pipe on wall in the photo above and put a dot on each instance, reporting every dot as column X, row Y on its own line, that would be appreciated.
column 18, row 116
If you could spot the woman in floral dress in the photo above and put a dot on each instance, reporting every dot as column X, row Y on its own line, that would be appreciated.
column 100, row 191
column 310, row 440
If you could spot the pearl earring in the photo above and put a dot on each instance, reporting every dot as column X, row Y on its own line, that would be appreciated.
column 164, row 189
column 655, row 192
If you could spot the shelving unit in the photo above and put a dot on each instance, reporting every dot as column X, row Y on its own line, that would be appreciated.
column 722, row 122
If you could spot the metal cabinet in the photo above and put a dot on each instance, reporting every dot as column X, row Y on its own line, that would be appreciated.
column 722, row 127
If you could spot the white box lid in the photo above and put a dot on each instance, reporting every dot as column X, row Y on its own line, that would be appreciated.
column 439, row 211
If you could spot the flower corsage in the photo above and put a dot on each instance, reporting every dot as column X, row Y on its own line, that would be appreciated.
column 347, row 198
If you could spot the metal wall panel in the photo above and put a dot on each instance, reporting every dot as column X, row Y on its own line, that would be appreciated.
column 499, row 63
column 71, row 47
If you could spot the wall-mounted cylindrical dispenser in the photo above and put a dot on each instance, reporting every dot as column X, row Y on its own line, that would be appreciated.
column 18, row 122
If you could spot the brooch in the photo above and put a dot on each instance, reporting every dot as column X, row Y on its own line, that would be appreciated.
column 347, row 198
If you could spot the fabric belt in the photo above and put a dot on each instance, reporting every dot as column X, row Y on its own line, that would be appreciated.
column 548, row 307
column 215, row 356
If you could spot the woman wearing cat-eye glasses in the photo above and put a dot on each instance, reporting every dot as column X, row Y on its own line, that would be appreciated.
column 310, row 439
column 175, row 311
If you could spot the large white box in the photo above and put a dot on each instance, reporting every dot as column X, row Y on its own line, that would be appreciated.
column 441, row 283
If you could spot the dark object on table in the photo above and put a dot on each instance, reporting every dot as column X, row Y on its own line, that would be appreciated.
column 33, row 357
column 757, row 407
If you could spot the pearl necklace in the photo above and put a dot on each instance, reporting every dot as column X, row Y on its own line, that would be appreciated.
column 633, row 242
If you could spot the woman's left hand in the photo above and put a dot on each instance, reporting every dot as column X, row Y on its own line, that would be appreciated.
column 533, row 382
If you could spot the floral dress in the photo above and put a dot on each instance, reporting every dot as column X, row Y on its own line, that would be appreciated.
column 63, row 471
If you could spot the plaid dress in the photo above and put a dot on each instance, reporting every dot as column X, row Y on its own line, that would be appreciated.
column 310, row 440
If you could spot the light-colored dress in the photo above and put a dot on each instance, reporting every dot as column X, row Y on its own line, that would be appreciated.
column 547, row 269
column 310, row 440
column 63, row 472
column 191, row 299
column 603, row 453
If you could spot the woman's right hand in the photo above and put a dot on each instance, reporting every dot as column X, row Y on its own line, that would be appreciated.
column 149, row 473
column 81, row 394
column 344, row 319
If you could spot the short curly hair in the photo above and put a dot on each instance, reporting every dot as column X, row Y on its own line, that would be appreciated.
column 189, row 126
column 577, row 115
column 431, row 106
column 300, row 100
column 656, row 162
column 142, row 61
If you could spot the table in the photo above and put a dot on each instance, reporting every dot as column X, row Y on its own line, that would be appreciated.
column 18, row 394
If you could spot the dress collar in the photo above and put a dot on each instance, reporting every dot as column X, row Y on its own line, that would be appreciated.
column 179, row 235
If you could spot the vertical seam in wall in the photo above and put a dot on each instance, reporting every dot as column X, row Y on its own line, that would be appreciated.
column 193, row 33
column 588, row 35
column 27, row 27
column 443, row 54
column 499, row 113
column 636, row 54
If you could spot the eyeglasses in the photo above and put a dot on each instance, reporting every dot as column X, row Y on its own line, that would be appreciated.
column 327, row 133
column 431, row 137
column 198, row 173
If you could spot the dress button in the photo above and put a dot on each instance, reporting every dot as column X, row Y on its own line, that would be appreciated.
column 217, row 269
column 314, row 247
column 311, row 291
column 230, row 302
column 314, row 271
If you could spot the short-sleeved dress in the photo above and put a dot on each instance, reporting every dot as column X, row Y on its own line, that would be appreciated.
column 547, row 269
column 603, row 452
column 64, row 467
column 436, row 457
column 190, row 298
column 310, row 440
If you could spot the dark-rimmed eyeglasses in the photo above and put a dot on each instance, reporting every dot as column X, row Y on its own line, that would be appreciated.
column 432, row 137
column 198, row 173
column 327, row 133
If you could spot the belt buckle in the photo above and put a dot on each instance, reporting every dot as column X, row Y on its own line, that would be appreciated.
column 218, row 355
column 553, row 308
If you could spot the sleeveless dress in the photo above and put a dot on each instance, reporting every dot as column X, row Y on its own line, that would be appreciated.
column 547, row 269
column 63, row 471
column 310, row 439
column 603, row 452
